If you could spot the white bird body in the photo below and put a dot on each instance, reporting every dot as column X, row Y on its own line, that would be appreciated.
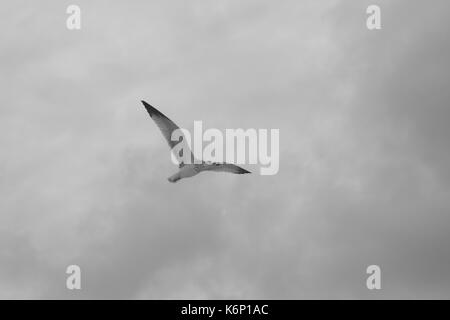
column 166, row 127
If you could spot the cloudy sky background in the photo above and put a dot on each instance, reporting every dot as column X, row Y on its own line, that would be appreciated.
column 364, row 149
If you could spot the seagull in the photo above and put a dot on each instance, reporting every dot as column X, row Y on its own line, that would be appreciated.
column 167, row 126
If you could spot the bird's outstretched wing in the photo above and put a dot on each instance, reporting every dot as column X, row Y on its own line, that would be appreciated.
column 226, row 167
column 167, row 127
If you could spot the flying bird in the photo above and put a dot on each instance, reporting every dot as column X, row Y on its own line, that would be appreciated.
column 167, row 126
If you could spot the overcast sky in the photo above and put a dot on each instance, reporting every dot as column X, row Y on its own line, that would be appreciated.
column 364, row 149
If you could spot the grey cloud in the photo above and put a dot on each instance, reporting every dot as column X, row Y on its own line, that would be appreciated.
column 363, row 166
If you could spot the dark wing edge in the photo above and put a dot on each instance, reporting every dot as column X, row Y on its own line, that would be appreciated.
column 241, row 170
column 152, row 111
column 166, row 126
column 232, row 168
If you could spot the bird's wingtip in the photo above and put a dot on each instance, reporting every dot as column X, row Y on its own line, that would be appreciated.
column 150, row 109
